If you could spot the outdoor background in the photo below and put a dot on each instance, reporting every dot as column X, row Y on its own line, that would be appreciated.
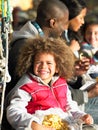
column 92, row 5
column 24, row 10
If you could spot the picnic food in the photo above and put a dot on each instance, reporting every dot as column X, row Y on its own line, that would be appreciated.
column 54, row 121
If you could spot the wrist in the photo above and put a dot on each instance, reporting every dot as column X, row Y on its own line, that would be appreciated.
column 33, row 124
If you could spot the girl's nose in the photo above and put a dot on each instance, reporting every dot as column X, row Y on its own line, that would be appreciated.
column 43, row 65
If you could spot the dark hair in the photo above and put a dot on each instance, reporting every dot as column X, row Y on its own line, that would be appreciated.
column 88, row 23
column 63, row 55
column 74, row 7
column 49, row 9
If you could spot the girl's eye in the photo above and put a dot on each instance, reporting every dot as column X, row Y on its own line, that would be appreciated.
column 49, row 63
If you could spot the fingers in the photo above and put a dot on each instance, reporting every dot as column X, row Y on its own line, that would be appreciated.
column 82, row 64
column 87, row 119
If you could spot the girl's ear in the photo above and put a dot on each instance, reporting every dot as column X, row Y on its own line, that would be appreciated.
column 52, row 23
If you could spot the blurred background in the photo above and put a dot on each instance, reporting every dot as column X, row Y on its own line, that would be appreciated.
column 23, row 10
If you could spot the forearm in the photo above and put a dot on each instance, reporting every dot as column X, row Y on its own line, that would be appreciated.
column 79, row 96
column 17, row 114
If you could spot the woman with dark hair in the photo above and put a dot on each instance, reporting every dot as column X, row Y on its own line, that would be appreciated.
column 77, row 13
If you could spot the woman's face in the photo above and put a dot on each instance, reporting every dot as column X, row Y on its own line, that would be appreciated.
column 78, row 21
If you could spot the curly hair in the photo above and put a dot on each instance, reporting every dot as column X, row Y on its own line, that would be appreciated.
column 63, row 56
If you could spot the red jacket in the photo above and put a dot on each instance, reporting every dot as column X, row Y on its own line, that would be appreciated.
column 44, row 96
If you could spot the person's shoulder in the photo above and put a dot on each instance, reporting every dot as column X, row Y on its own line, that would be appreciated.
column 86, row 45
column 16, row 43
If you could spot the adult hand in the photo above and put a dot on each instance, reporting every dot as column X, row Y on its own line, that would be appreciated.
column 81, row 66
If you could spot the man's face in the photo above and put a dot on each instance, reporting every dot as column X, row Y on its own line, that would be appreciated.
column 60, row 25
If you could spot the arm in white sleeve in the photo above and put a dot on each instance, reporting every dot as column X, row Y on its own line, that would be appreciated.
column 17, row 114
column 73, row 107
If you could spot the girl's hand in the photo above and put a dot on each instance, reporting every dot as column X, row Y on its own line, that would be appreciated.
column 87, row 119
column 36, row 126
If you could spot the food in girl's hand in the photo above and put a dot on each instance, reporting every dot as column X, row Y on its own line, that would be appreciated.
column 54, row 121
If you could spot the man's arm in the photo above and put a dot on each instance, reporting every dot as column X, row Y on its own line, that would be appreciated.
column 82, row 96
